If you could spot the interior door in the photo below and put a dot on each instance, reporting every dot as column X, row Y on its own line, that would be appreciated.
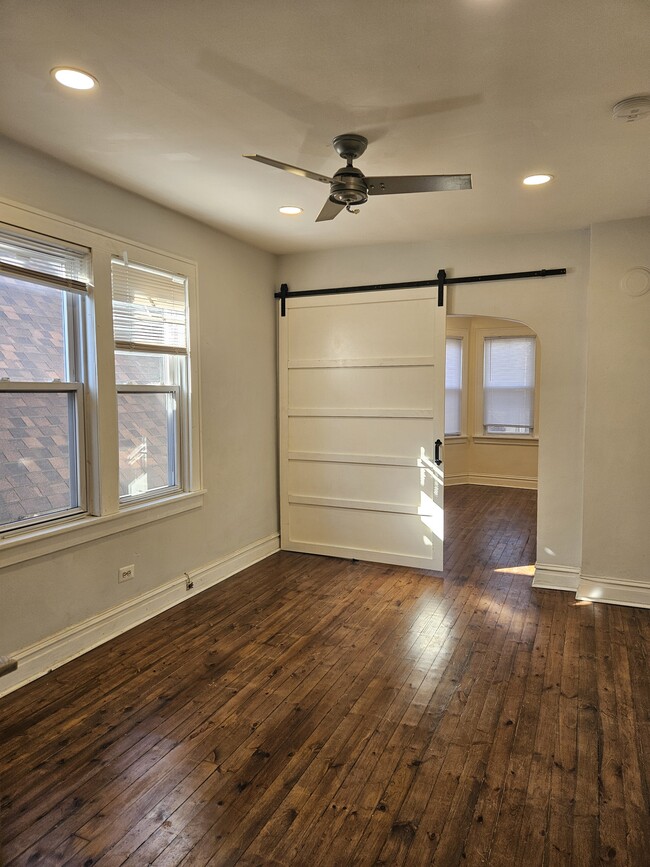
column 361, row 407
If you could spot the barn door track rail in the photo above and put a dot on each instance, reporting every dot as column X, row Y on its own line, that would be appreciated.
column 440, row 280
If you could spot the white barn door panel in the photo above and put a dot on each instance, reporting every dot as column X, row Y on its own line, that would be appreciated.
column 361, row 407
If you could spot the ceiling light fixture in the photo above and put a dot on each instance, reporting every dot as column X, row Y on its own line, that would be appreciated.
column 535, row 180
column 291, row 210
column 77, row 79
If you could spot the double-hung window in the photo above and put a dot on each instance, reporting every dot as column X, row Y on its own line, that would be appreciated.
column 151, row 358
column 509, row 385
column 92, row 417
column 43, row 285
column 454, row 386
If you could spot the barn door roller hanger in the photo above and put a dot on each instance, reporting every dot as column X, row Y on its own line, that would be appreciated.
column 441, row 280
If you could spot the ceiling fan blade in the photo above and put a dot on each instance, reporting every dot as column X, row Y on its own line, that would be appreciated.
column 303, row 173
column 418, row 184
column 329, row 210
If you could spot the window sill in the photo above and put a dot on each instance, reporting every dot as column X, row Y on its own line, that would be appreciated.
column 461, row 438
column 506, row 440
column 40, row 541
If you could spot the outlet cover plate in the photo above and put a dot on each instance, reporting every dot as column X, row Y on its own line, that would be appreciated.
column 125, row 573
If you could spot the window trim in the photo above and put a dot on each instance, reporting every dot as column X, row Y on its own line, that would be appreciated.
column 73, row 382
column 18, row 546
column 188, row 425
column 463, row 336
column 480, row 435
column 104, row 513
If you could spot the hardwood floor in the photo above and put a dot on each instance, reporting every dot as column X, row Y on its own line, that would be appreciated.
column 320, row 711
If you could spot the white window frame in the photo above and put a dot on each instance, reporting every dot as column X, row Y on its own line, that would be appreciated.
column 72, row 321
column 175, row 437
column 77, row 455
column 463, row 336
column 183, row 447
column 480, row 435
column 104, row 515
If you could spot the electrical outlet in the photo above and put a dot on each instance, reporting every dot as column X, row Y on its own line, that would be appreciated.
column 125, row 573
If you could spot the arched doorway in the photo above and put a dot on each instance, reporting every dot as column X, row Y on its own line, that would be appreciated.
column 492, row 421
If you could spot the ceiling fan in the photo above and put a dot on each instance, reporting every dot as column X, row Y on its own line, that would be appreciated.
column 350, row 186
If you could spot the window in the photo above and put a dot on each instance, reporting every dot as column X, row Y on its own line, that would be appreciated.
column 150, row 330
column 508, row 385
column 76, row 404
column 42, row 358
column 453, row 386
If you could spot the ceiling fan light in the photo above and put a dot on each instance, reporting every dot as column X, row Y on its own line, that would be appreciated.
column 77, row 79
column 536, row 180
column 290, row 210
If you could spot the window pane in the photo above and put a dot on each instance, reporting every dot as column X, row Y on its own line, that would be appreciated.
column 36, row 440
column 509, row 384
column 147, row 449
column 140, row 368
column 453, row 386
column 32, row 332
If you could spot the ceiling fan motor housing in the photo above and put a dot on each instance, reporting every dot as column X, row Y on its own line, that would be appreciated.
column 349, row 187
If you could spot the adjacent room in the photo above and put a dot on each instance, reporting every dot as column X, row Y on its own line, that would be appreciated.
column 324, row 352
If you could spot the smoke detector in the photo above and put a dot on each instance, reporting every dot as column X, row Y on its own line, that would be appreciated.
column 634, row 108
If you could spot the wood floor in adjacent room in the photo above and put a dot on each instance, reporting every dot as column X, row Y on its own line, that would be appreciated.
column 320, row 711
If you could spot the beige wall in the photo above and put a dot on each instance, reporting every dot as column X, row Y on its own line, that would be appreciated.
column 470, row 459
column 238, row 402
column 617, row 451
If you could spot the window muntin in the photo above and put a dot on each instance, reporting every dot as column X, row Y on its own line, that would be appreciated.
column 508, row 385
column 151, row 367
column 453, row 386
column 42, row 465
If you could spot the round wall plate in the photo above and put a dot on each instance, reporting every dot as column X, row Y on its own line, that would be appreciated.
column 636, row 281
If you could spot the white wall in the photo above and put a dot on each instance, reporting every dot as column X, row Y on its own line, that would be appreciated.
column 616, row 552
column 238, row 401
column 555, row 308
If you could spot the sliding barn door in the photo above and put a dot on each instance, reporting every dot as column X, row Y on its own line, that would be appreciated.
column 361, row 407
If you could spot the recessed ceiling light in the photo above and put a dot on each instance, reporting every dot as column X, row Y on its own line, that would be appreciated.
column 534, row 180
column 290, row 209
column 74, row 78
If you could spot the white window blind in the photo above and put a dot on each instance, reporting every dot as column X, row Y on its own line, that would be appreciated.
column 36, row 259
column 149, row 309
column 508, row 384
column 453, row 386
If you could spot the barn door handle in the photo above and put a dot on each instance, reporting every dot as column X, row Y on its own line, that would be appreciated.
column 436, row 457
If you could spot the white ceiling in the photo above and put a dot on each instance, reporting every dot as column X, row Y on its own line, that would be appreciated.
column 498, row 88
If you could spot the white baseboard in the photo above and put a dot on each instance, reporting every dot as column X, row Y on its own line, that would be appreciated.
column 613, row 590
column 527, row 482
column 56, row 650
column 459, row 479
column 552, row 577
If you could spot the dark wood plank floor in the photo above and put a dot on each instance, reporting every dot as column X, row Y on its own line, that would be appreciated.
column 320, row 711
